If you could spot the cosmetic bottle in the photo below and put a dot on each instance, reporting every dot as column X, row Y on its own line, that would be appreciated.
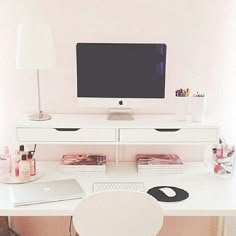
column 4, row 153
column 5, row 162
column 22, row 149
column 6, row 157
column 15, row 165
column 32, row 164
column 24, row 168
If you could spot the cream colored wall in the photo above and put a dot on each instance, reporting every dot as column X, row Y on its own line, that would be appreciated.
column 198, row 35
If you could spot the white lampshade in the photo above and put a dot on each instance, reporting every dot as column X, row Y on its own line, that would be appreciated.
column 35, row 49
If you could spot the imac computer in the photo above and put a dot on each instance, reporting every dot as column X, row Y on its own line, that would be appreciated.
column 120, row 75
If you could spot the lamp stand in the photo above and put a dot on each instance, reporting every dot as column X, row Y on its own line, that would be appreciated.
column 40, row 116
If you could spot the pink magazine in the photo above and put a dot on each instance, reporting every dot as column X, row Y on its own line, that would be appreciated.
column 158, row 159
column 76, row 159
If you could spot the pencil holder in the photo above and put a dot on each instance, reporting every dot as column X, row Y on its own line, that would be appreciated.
column 198, row 105
column 181, row 108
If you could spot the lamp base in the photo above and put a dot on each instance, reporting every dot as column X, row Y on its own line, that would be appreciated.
column 39, row 117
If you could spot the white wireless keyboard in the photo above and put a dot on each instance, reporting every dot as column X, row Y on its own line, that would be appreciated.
column 118, row 186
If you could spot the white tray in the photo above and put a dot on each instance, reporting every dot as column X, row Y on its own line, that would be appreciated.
column 16, row 180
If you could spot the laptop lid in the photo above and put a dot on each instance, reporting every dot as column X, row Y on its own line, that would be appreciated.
column 41, row 192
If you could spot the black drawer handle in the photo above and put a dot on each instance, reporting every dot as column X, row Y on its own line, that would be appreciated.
column 167, row 130
column 66, row 129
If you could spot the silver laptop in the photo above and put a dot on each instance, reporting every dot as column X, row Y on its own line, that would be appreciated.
column 41, row 192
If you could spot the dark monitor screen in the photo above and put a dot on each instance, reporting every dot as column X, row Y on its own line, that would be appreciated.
column 121, row 70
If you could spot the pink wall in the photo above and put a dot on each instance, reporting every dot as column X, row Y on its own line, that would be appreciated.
column 196, row 33
column 199, row 39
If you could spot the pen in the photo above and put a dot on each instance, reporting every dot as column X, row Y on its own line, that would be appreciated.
column 199, row 95
column 182, row 92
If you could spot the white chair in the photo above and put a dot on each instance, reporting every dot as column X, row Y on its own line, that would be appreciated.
column 118, row 213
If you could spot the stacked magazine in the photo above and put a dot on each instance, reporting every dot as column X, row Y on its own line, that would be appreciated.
column 159, row 163
column 77, row 162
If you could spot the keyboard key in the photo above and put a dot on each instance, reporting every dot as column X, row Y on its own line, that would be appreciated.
column 118, row 186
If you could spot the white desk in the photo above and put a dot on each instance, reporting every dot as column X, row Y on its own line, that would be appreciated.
column 209, row 195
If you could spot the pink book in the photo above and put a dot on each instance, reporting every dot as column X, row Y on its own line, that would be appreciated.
column 76, row 159
column 158, row 159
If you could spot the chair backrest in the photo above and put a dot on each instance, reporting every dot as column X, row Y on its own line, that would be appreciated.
column 118, row 213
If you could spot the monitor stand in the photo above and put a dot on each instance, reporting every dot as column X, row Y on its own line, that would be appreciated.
column 120, row 114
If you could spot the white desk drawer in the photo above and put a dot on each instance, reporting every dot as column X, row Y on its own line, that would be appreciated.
column 168, row 135
column 65, row 135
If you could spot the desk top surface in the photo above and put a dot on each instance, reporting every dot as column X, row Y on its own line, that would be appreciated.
column 209, row 195
column 100, row 121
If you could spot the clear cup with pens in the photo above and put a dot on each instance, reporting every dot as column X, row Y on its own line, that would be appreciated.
column 223, row 160
column 182, row 104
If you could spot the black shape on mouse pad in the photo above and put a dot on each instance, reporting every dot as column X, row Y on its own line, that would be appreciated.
column 157, row 193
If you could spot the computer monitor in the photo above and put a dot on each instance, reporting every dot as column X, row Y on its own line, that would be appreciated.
column 120, row 75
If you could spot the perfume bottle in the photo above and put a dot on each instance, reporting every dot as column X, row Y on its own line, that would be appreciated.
column 24, row 168
column 5, row 162
column 32, row 164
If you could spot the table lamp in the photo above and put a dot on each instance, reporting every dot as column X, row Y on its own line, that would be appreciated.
column 35, row 51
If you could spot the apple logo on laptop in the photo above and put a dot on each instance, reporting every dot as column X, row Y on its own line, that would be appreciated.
column 121, row 102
